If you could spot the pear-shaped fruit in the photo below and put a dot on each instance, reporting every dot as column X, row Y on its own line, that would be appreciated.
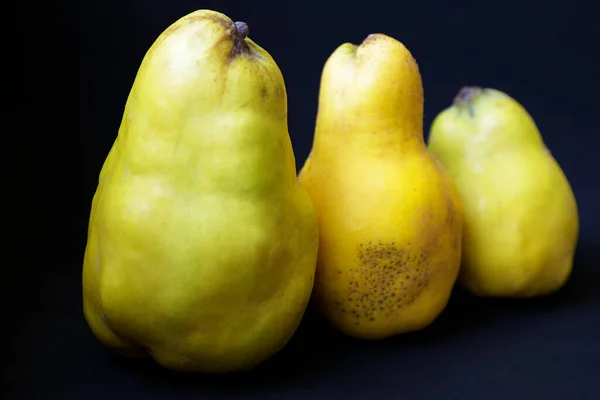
column 521, row 219
column 202, row 245
column 390, row 218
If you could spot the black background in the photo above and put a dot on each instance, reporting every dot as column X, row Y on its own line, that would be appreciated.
column 85, row 59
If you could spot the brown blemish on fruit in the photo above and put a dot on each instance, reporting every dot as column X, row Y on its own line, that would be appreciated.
column 238, row 31
column 169, row 31
column 388, row 278
column 215, row 18
column 264, row 93
column 451, row 221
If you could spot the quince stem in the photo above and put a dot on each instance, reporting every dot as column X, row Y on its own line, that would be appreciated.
column 465, row 97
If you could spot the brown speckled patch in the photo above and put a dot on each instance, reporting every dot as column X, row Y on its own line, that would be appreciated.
column 388, row 278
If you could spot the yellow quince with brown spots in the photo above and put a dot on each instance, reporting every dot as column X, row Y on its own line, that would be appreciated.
column 390, row 218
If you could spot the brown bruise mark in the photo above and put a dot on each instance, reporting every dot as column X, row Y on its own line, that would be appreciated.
column 264, row 93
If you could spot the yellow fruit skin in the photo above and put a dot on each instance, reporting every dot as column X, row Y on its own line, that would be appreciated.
column 390, row 219
column 202, row 244
column 521, row 218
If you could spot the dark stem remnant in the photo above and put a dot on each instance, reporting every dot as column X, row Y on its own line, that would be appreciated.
column 242, row 29
column 465, row 97
column 240, row 32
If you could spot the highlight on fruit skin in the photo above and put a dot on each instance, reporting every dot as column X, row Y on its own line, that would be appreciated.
column 521, row 216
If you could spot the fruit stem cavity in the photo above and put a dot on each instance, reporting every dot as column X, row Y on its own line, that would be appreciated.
column 465, row 97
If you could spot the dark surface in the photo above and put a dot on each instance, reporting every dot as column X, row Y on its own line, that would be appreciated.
column 547, row 58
